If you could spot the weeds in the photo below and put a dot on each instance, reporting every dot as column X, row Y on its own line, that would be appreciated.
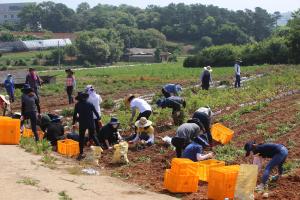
column 144, row 159
column 67, row 112
column 228, row 153
column 49, row 161
column 291, row 165
column 64, row 196
column 108, row 103
column 28, row 181
column 39, row 147
column 120, row 175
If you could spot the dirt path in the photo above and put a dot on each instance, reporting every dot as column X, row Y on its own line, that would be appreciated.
column 16, row 165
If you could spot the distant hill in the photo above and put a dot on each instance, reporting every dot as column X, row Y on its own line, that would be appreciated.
column 285, row 18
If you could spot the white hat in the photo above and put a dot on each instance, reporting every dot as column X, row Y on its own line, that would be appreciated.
column 5, row 99
column 208, row 68
column 143, row 122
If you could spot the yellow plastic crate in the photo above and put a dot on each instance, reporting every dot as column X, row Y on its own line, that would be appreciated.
column 221, row 134
column 9, row 130
column 68, row 147
column 180, row 183
column 221, row 182
column 183, row 166
column 206, row 165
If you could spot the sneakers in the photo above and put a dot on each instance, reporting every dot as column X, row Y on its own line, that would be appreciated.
column 275, row 178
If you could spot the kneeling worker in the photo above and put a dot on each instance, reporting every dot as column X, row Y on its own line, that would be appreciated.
column 194, row 151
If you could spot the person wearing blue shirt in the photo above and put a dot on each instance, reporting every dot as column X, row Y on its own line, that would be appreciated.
column 176, row 103
column 278, row 154
column 171, row 90
column 194, row 151
column 10, row 87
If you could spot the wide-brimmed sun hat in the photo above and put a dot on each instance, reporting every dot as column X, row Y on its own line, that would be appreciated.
column 143, row 122
column 208, row 68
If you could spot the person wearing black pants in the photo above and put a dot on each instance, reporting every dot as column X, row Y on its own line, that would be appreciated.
column 83, row 113
column 205, row 120
column 237, row 70
column 70, row 85
column 30, row 108
column 70, row 94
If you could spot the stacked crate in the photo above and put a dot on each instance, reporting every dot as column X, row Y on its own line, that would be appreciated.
column 182, row 177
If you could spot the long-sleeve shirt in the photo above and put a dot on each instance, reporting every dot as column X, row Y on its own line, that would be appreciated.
column 9, row 85
column 173, row 88
column 237, row 69
column 83, row 113
column 33, row 82
column 30, row 103
column 96, row 100
column 188, row 131
column 206, row 77
column 173, row 102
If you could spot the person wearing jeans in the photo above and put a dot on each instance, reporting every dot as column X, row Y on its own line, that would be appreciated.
column 30, row 108
column 83, row 113
column 278, row 154
column 237, row 69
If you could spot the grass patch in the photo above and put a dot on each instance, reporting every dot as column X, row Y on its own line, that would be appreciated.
column 39, row 147
column 291, row 165
column 49, row 161
column 67, row 112
column 64, row 196
column 228, row 153
column 28, row 181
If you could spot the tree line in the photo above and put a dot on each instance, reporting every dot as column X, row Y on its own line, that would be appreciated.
column 205, row 25
column 282, row 47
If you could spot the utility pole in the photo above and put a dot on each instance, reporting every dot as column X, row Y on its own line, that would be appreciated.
column 58, row 55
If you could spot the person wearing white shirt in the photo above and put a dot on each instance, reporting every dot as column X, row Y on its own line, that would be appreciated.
column 139, row 104
column 237, row 69
column 96, row 100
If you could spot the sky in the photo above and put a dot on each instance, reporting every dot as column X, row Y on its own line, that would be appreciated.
column 270, row 5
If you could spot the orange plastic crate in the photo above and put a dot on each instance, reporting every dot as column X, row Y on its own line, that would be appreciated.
column 206, row 165
column 9, row 130
column 183, row 166
column 221, row 182
column 68, row 147
column 221, row 134
column 180, row 183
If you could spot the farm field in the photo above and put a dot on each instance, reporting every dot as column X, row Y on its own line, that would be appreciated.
column 266, row 109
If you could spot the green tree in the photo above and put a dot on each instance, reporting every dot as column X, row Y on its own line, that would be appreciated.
column 294, row 38
column 83, row 7
column 31, row 17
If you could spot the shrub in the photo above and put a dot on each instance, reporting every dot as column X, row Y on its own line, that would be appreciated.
column 191, row 61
